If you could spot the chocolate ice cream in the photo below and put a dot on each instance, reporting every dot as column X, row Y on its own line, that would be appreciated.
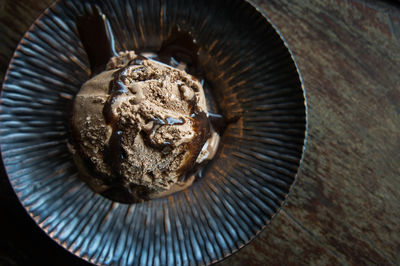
column 139, row 127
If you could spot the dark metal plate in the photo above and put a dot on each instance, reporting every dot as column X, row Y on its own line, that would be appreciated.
column 245, row 185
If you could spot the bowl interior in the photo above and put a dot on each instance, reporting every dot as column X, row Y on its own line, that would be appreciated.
column 254, row 81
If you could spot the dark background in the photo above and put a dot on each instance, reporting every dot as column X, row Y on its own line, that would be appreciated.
column 345, row 207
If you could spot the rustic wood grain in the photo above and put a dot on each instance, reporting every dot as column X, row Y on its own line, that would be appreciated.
column 345, row 207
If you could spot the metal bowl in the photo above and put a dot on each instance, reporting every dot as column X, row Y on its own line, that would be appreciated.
column 245, row 185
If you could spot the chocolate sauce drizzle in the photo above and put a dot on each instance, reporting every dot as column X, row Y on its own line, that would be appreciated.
column 97, row 38
column 181, row 47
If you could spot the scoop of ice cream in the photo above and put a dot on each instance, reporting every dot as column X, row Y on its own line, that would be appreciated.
column 140, row 125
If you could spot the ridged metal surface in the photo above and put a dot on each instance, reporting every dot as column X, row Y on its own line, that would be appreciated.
column 246, row 184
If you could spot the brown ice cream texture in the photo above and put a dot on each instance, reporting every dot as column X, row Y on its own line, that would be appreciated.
column 139, row 126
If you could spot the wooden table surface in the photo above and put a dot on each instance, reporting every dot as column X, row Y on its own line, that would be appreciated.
column 345, row 206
